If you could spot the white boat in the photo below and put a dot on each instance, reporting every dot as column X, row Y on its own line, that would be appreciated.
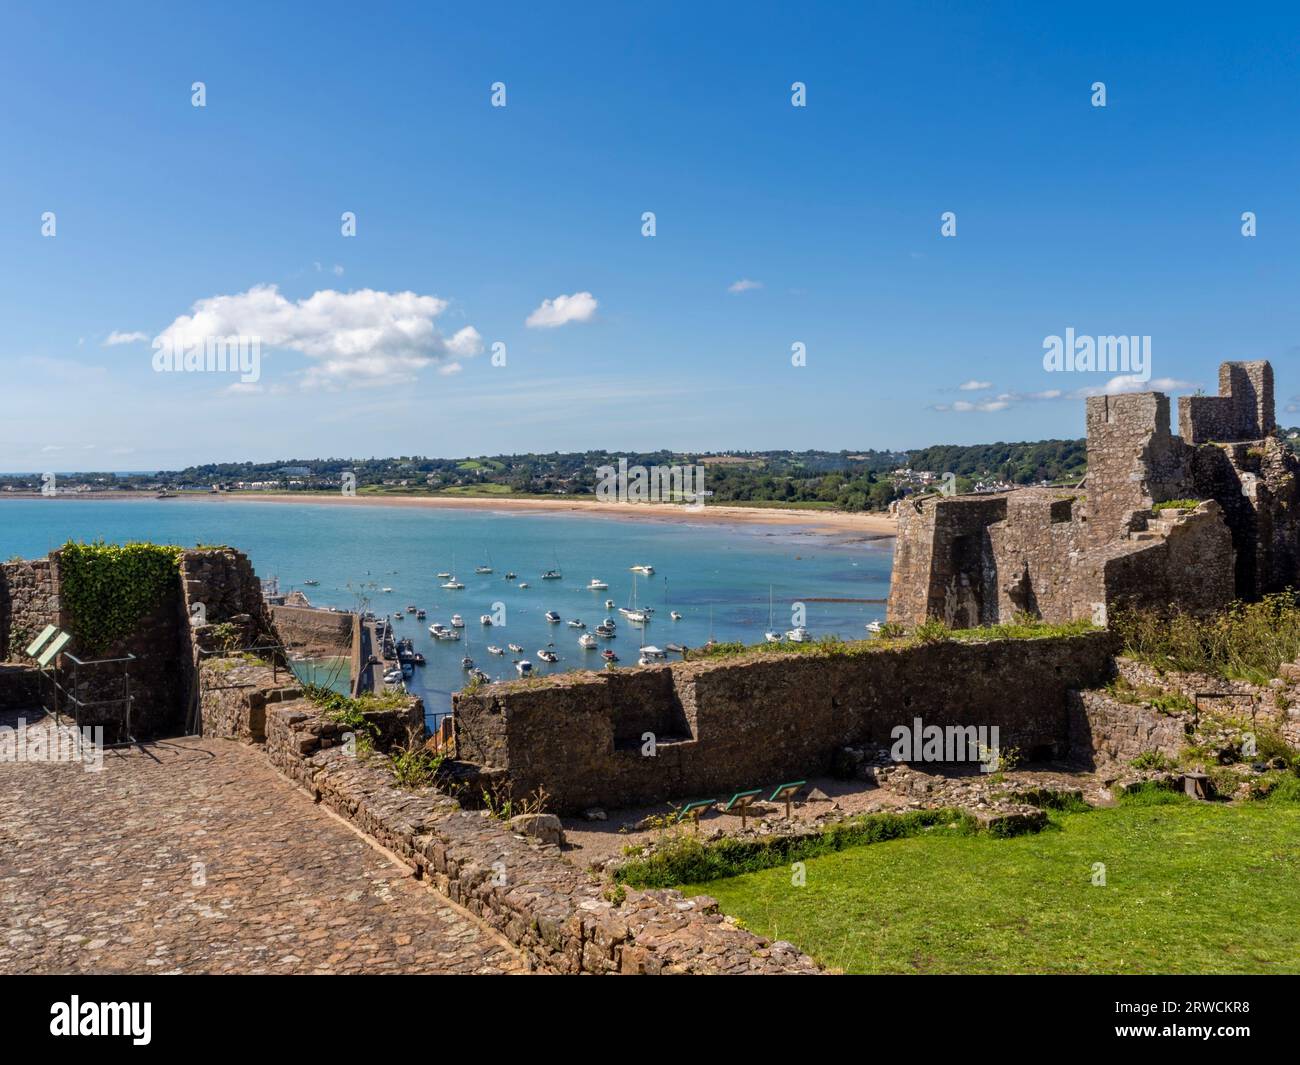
column 650, row 651
column 457, row 622
column 609, row 604
column 443, row 576
column 523, row 667
column 553, row 617
column 647, row 570
column 577, row 623
column 517, row 648
column 494, row 650
column 798, row 635
column 548, row 656
column 632, row 613
column 385, row 589
column 311, row 582
column 523, row 584
column 436, row 629
column 772, row 635
column 597, row 585
column 675, row 615
column 453, row 585
column 485, row 619
column 485, row 568
column 587, row 640
column 552, row 575
column 874, row 626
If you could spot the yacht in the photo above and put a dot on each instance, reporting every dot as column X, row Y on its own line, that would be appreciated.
column 311, row 582
column 553, row 617
column 523, row 667
column 577, row 623
column 798, row 635
column 494, row 650
column 632, row 614
column 467, row 663
column 453, row 585
column 650, row 651
column 552, row 575
column 587, row 641
column 596, row 585
column 517, row 648
column 647, row 570
column 605, row 632
column 548, row 656
column 485, row 619
column 457, row 622
column 874, row 626
column 772, row 635
column 486, row 567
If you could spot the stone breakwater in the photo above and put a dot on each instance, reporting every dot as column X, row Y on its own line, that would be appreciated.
column 517, row 884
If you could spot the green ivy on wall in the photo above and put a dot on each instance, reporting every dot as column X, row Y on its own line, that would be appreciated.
column 107, row 588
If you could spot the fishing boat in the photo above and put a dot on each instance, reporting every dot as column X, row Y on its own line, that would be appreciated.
column 548, row 656
column 553, row 617
column 798, row 635
column 493, row 649
column 577, row 623
column 517, row 648
column 596, row 585
column 587, row 641
column 457, row 622
column 608, row 655
column 523, row 667
column 772, row 635
column 485, row 619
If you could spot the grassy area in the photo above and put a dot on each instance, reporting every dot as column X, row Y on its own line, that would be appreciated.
column 1190, row 888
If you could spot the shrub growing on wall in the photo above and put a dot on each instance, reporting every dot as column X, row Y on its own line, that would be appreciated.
column 108, row 588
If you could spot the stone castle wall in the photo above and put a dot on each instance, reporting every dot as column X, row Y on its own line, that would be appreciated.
column 760, row 720
column 1064, row 554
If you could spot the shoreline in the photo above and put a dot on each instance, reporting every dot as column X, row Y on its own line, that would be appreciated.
column 869, row 525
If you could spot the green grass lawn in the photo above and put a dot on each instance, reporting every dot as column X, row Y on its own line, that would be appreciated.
column 1190, row 888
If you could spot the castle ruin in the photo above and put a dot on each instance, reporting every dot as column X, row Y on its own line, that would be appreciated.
column 1162, row 522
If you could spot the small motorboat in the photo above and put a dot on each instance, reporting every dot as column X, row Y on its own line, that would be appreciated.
column 647, row 570
column 650, row 651
column 606, row 632
column 676, row 648
column 596, row 585
column 874, row 626
column 773, row 637
column 457, row 622
column 517, row 648
column 523, row 584
column 418, row 659
column 453, row 585
column 675, row 615
column 311, row 582
column 420, row 615
column 482, row 569
column 385, row 589
column 480, row 676
column 798, row 635
column 523, row 667
column 608, row 655
column 553, row 617
column 609, row 604
column 548, row 656
column 467, row 663
column 577, row 623
column 510, row 575
column 494, row 650
column 552, row 575
column 412, row 608
column 587, row 641
column 485, row 619
column 443, row 576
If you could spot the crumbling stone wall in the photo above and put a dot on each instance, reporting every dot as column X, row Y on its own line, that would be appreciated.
column 1065, row 554
column 760, row 720
column 29, row 600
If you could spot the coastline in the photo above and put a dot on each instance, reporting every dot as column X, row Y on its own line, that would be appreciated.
column 867, row 526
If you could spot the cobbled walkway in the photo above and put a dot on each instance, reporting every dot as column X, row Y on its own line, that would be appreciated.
column 194, row 856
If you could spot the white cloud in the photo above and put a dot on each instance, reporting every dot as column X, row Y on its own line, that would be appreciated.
column 975, row 386
column 1127, row 383
column 986, row 406
column 580, row 307
column 360, row 338
column 744, row 285
column 115, row 338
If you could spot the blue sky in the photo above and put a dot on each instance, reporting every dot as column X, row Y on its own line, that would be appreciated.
column 1117, row 220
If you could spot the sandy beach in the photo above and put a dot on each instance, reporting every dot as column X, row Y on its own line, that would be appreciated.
column 838, row 523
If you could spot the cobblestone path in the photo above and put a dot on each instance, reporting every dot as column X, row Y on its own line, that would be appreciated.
column 194, row 855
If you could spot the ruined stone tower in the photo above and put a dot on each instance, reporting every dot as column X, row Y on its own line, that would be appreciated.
column 1164, row 522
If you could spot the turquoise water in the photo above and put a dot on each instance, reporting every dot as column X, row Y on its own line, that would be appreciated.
column 717, row 576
